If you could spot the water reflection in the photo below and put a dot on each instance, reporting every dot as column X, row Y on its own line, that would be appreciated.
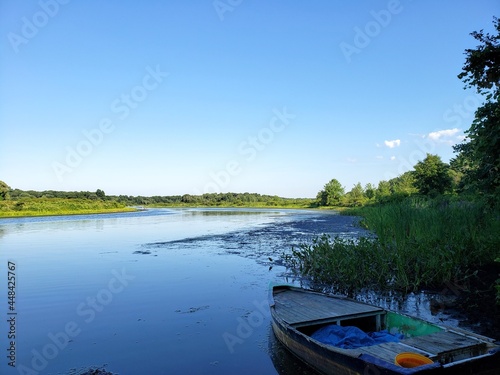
column 79, row 222
column 285, row 362
column 232, row 211
column 426, row 305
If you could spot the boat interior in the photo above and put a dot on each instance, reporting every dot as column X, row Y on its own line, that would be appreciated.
column 308, row 312
column 444, row 345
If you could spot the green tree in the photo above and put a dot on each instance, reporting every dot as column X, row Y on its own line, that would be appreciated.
column 370, row 191
column 355, row 197
column 100, row 194
column 187, row 198
column 432, row 176
column 482, row 64
column 463, row 167
column 331, row 195
column 479, row 156
column 4, row 191
column 404, row 185
column 383, row 192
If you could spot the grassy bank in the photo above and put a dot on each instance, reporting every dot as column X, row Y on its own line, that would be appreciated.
column 72, row 206
column 16, row 202
column 420, row 243
column 58, row 206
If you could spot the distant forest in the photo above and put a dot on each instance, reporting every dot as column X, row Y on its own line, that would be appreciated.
column 208, row 199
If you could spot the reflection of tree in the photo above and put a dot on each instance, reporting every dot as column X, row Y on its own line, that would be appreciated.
column 228, row 212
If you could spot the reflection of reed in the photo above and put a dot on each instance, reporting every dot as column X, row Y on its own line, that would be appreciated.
column 284, row 362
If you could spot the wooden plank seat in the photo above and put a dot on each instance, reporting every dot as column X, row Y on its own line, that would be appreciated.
column 389, row 350
column 447, row 346
column 444, row 347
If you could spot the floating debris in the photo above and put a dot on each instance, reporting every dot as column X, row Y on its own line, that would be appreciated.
column 91, row 371
column 192, row 309
column 144, row 252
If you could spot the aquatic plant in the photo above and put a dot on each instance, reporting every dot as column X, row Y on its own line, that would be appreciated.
column 419, row 243
column 349, row 264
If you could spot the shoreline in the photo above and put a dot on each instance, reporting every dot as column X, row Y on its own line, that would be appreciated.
column 145, row 208
column 74, row 213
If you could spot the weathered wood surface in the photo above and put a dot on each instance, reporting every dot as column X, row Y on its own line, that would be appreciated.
column 295, row 306
column 458, row 351
column 389, row 350
column 442, row 342
column 298, row 307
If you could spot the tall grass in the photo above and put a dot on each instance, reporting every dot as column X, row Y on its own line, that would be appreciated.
column 420, row 243
column 348, row 264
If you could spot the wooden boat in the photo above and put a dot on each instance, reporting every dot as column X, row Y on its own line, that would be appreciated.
column 298, row 313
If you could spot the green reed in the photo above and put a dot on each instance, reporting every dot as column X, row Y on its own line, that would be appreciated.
column 419, row 243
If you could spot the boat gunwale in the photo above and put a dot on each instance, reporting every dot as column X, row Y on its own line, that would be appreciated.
column 377, row 311
column 491, row 350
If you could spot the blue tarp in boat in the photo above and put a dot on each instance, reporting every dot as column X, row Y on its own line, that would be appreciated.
column 352, row 337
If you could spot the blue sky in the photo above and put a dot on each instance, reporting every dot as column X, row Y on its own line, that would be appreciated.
column 275, row 97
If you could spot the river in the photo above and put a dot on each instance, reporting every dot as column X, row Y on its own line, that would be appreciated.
column 161, row 291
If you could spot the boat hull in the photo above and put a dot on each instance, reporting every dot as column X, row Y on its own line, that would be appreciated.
column 331, row 360
column 326, row 362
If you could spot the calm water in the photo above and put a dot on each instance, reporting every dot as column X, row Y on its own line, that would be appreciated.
column 162, row 291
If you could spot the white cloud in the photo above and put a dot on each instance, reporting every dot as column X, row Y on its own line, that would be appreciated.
column 440, row 134
column 393, row 158
column 392, row 144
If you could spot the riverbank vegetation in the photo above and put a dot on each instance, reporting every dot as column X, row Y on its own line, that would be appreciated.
column 436, row 226
column 419, row 243
column 58, row 206
column 16, row 202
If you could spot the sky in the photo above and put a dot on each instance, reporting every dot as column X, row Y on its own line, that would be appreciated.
column 189, row 97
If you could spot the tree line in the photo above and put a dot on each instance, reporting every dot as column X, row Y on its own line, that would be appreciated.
column 430, row 177
column 208, row 199
column 475, row 171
